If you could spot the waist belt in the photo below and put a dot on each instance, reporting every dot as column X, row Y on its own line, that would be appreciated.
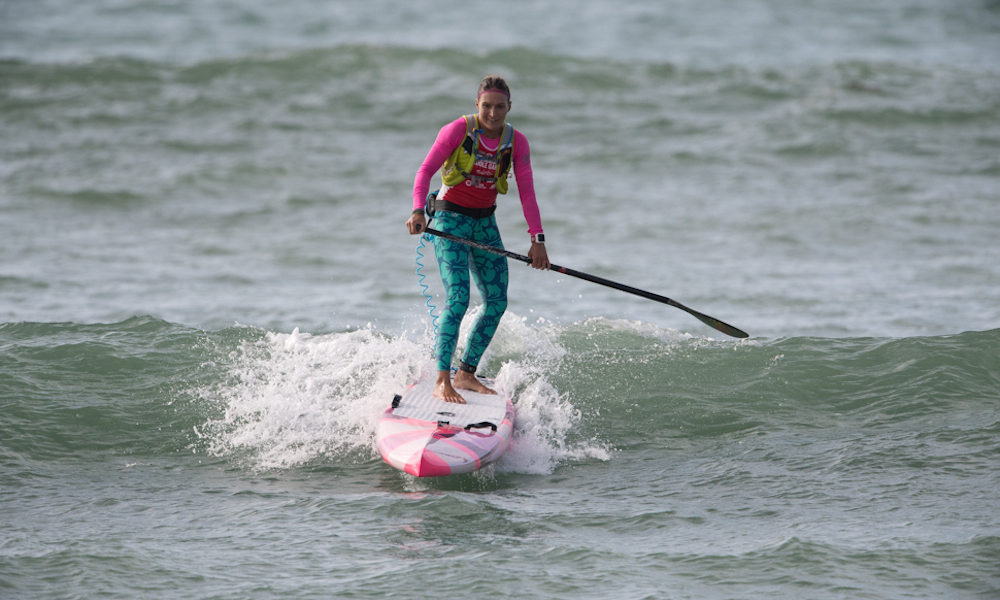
column 434, row 205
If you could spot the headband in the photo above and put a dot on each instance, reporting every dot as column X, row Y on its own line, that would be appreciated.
column 493, row 92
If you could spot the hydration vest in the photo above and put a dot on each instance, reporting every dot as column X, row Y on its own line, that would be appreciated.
column 458, row 167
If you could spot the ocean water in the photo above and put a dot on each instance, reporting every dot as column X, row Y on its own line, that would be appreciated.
column 207, row 296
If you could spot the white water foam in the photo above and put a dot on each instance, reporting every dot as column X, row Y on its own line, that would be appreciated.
column 291, row 399
column 544, row 417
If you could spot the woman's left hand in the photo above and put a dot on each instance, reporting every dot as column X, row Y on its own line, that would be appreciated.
column 539, row 257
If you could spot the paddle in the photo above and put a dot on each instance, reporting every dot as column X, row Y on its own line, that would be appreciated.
column 707, row 320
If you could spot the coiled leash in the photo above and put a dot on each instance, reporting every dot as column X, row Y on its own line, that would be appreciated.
column 424, row 289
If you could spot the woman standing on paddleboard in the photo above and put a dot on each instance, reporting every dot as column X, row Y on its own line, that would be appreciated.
column 475, row 154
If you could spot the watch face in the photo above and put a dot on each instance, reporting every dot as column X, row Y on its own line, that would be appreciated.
column 540, row 238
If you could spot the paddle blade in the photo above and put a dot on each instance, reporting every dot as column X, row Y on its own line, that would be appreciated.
column 712, row 322
column 723, row 327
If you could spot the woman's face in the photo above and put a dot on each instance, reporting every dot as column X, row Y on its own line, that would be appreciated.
column 493, row 107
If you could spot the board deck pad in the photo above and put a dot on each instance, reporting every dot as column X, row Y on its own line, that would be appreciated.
column 428, row 437
column 419, row 403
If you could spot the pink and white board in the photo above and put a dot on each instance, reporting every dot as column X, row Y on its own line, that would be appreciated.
column 428, row 437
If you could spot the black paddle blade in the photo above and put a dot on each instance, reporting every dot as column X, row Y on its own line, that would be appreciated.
column 714, row 323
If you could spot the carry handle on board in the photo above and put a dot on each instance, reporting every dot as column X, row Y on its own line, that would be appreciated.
column 481, row 425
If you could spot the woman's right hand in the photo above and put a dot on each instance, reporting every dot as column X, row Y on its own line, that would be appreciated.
column 416, row 223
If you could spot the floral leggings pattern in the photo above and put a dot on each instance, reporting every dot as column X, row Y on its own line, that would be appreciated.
column 489, row 272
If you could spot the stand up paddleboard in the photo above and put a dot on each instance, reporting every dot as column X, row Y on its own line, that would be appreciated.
column 428, row 437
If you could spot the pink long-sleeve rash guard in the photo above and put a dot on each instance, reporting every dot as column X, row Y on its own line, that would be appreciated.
column 481, row 196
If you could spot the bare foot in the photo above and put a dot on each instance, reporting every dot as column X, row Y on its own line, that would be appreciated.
column 445, row 391
column 467, row 381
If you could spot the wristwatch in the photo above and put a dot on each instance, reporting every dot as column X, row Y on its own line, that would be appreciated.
column 538, row 238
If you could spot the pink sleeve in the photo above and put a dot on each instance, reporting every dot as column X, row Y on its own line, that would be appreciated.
column 526, row 183
column 449, row 138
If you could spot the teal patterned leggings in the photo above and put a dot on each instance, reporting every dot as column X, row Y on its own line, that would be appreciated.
column 489, row 272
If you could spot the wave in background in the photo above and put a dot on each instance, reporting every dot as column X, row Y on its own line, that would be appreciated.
column 584, row 391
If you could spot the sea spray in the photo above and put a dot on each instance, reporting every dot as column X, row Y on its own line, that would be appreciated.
column 291, row 399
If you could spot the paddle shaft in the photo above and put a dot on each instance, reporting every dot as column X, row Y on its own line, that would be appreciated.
column 710, row 321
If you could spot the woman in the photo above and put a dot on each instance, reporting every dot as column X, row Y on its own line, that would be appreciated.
column 475, row 154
